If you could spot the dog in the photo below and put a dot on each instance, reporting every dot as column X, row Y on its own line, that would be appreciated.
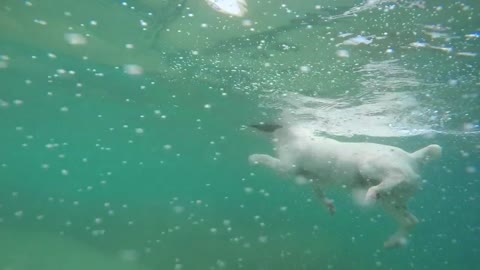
column 380, row 173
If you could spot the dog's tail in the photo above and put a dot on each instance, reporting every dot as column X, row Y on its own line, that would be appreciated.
column 266, row 127
column 427, row 154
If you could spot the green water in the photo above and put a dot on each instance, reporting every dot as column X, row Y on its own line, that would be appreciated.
column 101, row 169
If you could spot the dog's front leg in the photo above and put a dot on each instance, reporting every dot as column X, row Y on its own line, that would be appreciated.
column 268, row 161
column 318, row 190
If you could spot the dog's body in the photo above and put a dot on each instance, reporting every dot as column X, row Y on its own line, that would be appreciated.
column 383, row 173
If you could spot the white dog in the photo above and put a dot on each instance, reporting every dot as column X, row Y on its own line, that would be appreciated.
column 382, row 173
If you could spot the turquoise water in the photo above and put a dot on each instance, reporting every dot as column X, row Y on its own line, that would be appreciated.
column 124, row 143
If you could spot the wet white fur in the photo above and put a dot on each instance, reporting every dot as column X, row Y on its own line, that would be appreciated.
column 380, row 173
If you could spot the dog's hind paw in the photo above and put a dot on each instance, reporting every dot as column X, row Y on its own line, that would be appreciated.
column 255, row 159
column 395, row 242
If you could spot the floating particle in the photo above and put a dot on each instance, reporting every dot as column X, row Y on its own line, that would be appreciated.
column 207, row 106
column 343, row 53
column 263, row 239
column 75, row 39
column 129, row 255
column 93, row 23
column 18, row 102
column 342, row 35
column 167, row 147
column 51, row 145
column 129, row 46
column 64, row 172
column 443, row 49
column 98, row 232
column 61, row 71
column 247, row 23
column 472, row 36
column 139, row 130
column 248, row 190
column 469, row 54
column 221, row 264
column 469, row 126
column 178, row 209
column 358, row 40
column 132, row 69
column 3, row 104
column 41, row 22
column 305, row 69
column 452, row 82
column 471, row 169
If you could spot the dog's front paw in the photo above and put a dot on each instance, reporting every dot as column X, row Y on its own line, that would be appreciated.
column 330, row 206
column 371, row 196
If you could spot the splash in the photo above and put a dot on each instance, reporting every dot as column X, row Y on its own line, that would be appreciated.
column 384, row 115
column 385, row 106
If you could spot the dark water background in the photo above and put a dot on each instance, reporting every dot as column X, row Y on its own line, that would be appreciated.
column 101, row 169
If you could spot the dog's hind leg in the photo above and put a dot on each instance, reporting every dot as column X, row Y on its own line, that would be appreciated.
column 405, row 220
column 385, row 186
